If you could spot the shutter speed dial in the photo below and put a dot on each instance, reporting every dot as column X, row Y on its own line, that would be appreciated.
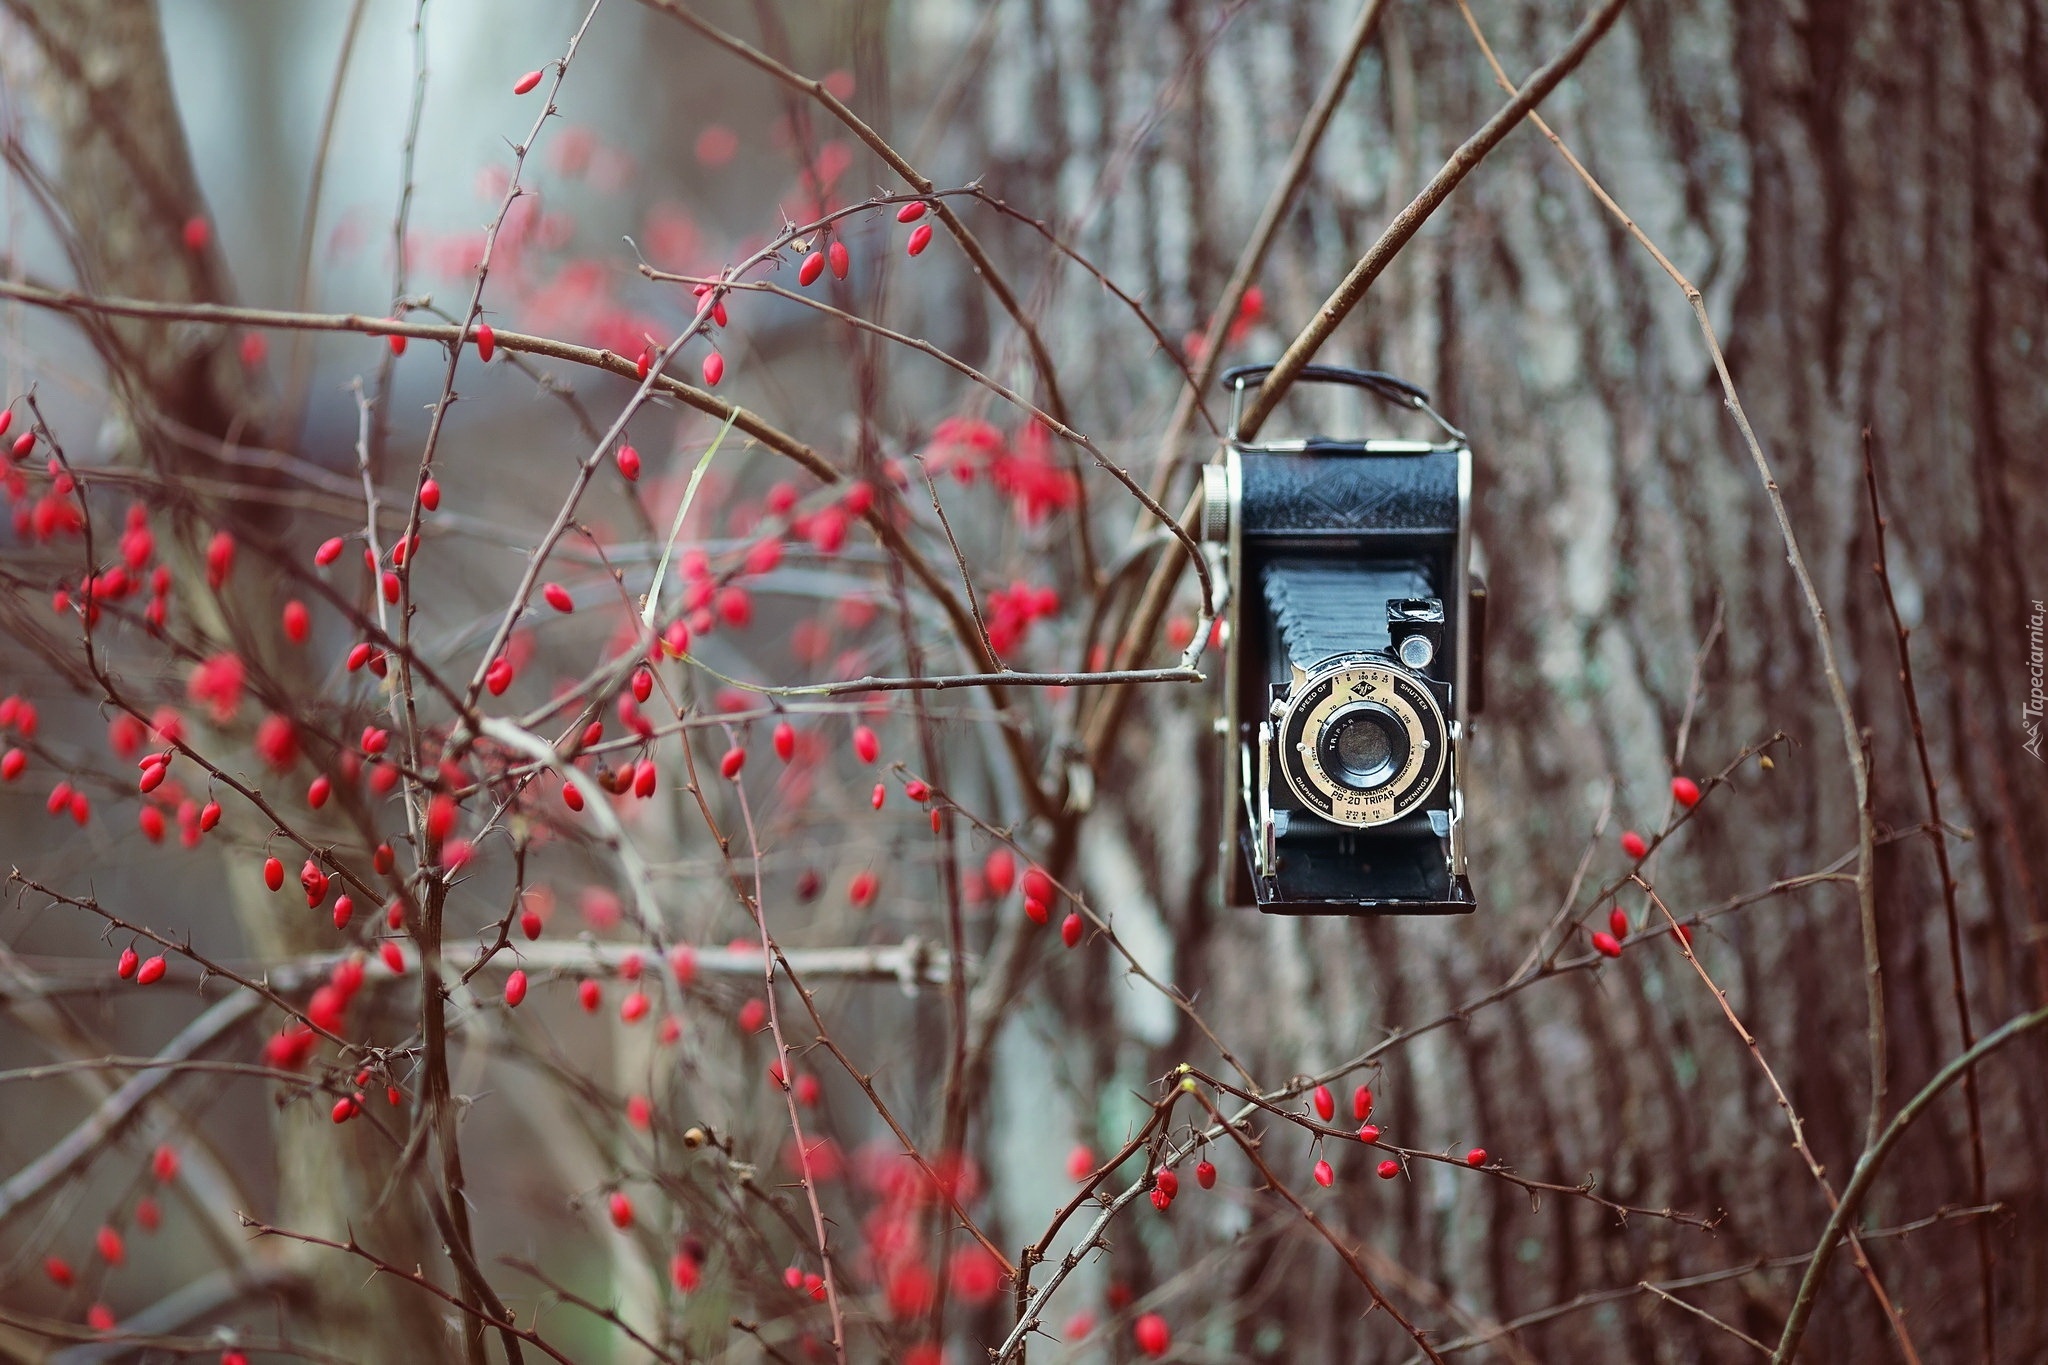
column 1361, row 740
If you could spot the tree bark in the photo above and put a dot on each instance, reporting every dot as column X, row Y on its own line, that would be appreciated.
column 1858, row 189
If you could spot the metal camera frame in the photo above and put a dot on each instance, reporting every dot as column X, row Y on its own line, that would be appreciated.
column 1252, row 829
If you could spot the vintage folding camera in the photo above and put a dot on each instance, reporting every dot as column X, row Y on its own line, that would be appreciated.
column 1351, row 664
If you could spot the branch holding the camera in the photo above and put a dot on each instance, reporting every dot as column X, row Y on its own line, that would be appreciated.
column 1409, row 221
column 1253, row 257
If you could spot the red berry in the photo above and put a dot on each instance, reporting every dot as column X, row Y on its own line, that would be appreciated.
column 1686, row 791
column 486, row 342
column 1169, row 1182
column 1684, row 932
column 881, row 795
column 621, row 1209
column 1361, row 1102
column 837, row 255
column 785, row 741
column 220, row 558
column 318, row 791
column 714, row 369
column 430, row 495
column 12, row 764
column 571, row 797
column 383, row 859
column 515, row 988
column 525, row 84
column 344, row 911
column 643, row 684
column 911, row 211
column 1070, row 930
column 919, row 239
column 1205, row 1175
column 1476, row 1157
column 197, row 233
column 865, row 746
column 634, row 1007
column 813, row 266
column 152, row 971
column 393, row 956
column 1325, row 1176
column 629, row 463
column 273, row 873
column 558, row 597
column 916, row 790
column 1617, row 922
column 329, row 551
column 59, row 1271
column 1036, row 910
column 861, row 890
column 107, row 1241
column 298, row 622
column 735, row 759
column 530, row 924
column 441, row 815
column 1153, row 1336
column 1000, row 872
column 1632, row 844
column 1606, row 944
column 1161, row 1200
column 148, row 1215
column 590, row 995
column 644, row 778
column 130, row 959
column 1326, row 1103
column 163, row 1164
column 1389, row 1168
column 100, row 1318
column 397, row 343
column 345, row 1108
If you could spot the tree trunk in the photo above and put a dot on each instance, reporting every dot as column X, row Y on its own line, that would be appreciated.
column 1858, row 190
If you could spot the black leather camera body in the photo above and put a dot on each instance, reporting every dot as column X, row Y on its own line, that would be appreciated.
column 1351, row 662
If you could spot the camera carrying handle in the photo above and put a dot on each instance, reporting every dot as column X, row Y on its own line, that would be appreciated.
column 1391, row 388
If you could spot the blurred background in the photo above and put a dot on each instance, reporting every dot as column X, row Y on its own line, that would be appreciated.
column 1856, row 188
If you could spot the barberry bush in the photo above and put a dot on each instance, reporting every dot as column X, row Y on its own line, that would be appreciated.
column 606, row 748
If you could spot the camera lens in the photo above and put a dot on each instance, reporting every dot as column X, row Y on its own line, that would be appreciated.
column 1363, row 747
